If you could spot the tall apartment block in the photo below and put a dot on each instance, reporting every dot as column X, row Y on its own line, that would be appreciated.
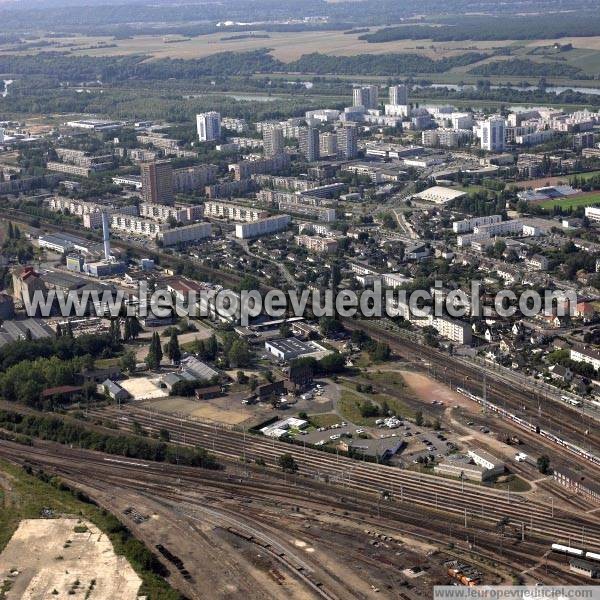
column 398, row 95
column 366, row 95
column 309, row 143
column 347, row 142
column 209, row 126
column 157, row 182
column 273, row 140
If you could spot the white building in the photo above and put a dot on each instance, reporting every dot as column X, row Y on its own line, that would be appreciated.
column 182, row 235
column 440, row 194
column 235, row 212
column 137, row 225
column 455, row 330
column 500, row 228
column 209, row 126
column 163, row 212
column 467, row 225
column 586, row 355
column 592, row 213
column 467, row 239
column 493, row 466
column 262, row 227
column 398, row 95
column 394, row 280
column 493, row 132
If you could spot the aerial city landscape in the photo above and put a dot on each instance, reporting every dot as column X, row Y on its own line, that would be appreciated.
column 299, row 300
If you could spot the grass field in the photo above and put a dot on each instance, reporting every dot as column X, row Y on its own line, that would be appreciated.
column 350, row 402
column 324, row 420
column 572, row 202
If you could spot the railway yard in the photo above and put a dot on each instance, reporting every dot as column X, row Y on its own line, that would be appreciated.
column 303, row 537
column 327, row 529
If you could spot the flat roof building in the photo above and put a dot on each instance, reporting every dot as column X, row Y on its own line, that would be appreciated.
column 262, row 227
column 289, row 348
column 440, row 195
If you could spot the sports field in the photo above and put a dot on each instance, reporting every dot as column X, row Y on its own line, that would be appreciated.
column 572, row 201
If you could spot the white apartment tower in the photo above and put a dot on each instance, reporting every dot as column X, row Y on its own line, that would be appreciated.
column 366, row 95
column 493, row 132
column 209, row 126
column 398, row 95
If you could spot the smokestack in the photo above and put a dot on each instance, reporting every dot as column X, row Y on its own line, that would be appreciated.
column 106, row 235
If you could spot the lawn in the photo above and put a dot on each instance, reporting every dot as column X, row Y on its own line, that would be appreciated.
column 515, row 483
column 349, row 407
column 350, row 402
column 572, row 202
column 324, row 420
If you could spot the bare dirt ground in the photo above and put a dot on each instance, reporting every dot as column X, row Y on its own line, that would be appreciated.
column 47, row 558
column 428, row 389
column 144, row 388
column 222, row 410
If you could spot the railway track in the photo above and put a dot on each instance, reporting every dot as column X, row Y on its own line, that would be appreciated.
column 181, row 486
column 557, row 417
column 467, row 500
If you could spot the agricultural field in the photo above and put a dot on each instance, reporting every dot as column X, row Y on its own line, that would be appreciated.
column 286, row 46
column 289, row 46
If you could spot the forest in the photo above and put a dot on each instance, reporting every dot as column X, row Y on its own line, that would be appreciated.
column 527, row 68
column 75, row 69
column 505, row 27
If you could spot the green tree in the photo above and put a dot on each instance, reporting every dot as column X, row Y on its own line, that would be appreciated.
column 239, row 354
column 127, row 330
column 287, row 463
column 128, row 362
column 419, row 418
column 155, row 353
column 543, row 464
column 174, row 352
column 134, row 327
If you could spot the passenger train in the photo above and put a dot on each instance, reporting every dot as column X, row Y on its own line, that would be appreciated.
column 533, row 428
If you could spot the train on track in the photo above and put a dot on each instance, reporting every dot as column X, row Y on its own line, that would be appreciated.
column 576, row 552
column 533, row 428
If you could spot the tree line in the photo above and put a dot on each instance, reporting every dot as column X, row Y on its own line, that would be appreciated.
column 63, row 432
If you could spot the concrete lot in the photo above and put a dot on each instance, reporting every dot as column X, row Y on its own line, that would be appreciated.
column 52, row 560
column 143, row 388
